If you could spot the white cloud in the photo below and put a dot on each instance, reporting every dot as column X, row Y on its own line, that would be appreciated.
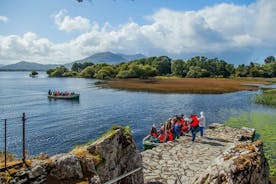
column 3, row 19
column 236, row 33
column 66, row 23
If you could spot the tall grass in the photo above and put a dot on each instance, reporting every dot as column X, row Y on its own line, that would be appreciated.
column 265, row 125
column 268, row 97
column 181, row 85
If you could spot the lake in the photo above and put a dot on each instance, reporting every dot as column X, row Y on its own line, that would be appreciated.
column 56, row 126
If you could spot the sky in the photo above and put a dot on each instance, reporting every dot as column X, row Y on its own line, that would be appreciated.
column 58, row 32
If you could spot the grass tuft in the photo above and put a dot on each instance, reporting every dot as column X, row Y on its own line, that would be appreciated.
column 267, row 97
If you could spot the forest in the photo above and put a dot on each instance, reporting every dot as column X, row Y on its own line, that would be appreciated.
column 195, row 67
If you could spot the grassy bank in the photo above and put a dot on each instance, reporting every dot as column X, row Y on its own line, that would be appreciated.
column 267, row 97
column 186, row 85
column 265, row 125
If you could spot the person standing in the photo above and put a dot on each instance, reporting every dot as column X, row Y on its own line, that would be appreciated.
column 202, row 121
column 194, row 126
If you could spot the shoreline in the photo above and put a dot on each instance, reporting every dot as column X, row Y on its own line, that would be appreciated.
column 186, row 85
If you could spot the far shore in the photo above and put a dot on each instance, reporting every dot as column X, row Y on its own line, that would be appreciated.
column 187, row 85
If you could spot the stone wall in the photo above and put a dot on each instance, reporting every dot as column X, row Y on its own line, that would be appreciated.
column 111, row 156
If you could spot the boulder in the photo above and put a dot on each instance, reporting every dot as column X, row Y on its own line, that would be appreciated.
column 66, row 167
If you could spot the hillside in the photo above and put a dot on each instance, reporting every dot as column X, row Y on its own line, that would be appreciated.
column 27, row 66
column 107, row 57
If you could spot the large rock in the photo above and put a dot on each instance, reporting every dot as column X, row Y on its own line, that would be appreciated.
column 120, row 155
column 67, row 166
column 111, row 156
column 244, row 164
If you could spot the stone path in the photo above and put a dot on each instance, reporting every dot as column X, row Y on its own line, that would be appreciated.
column 189, row 159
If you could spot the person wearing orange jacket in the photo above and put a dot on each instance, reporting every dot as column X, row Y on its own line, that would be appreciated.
column 162, row 136
column 194, row 126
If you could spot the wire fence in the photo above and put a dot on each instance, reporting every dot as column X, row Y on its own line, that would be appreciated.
column 21, row 120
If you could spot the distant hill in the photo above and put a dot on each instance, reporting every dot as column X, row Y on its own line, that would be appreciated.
column 107, row 57
column 131, row 57
column 27, row 66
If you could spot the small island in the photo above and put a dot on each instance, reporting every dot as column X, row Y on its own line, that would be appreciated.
column 34, row 73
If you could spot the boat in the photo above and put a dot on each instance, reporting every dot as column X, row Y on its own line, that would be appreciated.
column 68, row 97
column 148, row 143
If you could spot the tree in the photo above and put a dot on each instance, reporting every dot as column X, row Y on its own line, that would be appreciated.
column 162, row 65
column 197, row 72
column 242, row 71
column 177, row 68
column 269, row 59
column 88, row 72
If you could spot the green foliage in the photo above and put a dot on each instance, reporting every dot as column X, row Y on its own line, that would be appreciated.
column 195, row 67
column 178, row 68
column 197, row 72
column 269, row 59
column 88, row 72
column 34, row 72
column 265, row 125
column 57, row 72
column 268, row 97
column 78, row 67
column 127, row 130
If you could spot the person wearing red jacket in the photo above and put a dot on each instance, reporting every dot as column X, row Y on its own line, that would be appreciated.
column 194, row 126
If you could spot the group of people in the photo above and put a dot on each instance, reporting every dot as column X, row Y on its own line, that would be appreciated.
column 60, row 93
column 177, row 126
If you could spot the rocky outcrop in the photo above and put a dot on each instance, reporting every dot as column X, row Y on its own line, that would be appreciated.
column 223, row 155
column 109, row 157
column 244, row 163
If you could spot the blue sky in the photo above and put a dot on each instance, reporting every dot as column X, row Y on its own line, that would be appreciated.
column 51, row 31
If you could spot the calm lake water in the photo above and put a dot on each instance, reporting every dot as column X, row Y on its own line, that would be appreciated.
column 56, row 126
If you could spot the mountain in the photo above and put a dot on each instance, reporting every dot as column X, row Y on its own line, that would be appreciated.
column 107, row 57
column 131, row 57
column 28, row 66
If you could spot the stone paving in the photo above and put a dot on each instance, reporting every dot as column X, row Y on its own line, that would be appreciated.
column 185, row 159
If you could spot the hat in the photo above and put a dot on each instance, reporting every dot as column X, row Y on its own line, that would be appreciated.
column 201, row 113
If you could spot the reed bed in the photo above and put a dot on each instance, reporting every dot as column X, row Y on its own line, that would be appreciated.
column 267, row 97
column 183, row 85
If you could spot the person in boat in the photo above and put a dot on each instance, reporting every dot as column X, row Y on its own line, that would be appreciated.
column 49, row 92
column 194, row 126
column 162, row 136
column 202, row 121
column 153, row 131
column 169, row 134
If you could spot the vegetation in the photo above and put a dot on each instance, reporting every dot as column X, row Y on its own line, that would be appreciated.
column 267, row 97
column 196, row 67
column 10, row 158
column 265, row 125
column 34, row 73
column 181, row 85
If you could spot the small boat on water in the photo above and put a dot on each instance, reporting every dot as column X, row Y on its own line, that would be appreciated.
column 63, row 95
column 148, row 143
column 68, row 97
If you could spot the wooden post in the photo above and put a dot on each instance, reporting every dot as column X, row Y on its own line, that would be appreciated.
column 5, row 143
column 23, row 137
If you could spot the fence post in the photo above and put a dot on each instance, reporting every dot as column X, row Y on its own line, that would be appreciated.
column 23, row 137
column 5, row 124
